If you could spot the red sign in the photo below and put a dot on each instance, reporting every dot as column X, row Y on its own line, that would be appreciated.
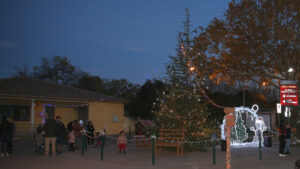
column 288, row 95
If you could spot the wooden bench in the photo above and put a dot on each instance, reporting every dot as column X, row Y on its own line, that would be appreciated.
column 170, row 138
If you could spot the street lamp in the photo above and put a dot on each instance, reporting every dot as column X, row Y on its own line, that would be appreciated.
column 287, row 112
column 192, row 69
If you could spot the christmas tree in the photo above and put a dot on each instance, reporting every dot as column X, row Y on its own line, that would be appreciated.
column 239, row 133
column 233, row 137
column 183, row 105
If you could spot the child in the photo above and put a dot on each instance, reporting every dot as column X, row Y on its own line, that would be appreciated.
column 122, row 142
column 71, row 140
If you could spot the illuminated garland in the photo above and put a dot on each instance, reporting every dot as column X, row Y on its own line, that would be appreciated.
column 196, row 86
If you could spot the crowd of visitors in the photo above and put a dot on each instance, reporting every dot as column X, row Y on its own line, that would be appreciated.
column 55, row 133
column 50, row 134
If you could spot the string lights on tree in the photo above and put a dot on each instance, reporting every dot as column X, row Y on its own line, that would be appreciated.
column 184, row 103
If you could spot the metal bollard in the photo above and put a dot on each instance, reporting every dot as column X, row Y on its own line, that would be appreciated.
column 82, row 146
column 214, row 151
column 102, row 147
column 260, row 150
column 153, row 149
column 214, row 137
column 129, row 134
column 85, row 142
column 103, row 140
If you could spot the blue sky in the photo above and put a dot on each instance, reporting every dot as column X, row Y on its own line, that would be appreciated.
column 113, row 39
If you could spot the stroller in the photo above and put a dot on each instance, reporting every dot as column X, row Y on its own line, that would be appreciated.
column 39, row 143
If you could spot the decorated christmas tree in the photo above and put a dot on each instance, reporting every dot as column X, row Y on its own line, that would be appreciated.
column 183, row 104
column 233, row 137
column 239, row 132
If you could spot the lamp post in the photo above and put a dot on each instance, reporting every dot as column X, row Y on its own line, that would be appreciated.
column 288, row 109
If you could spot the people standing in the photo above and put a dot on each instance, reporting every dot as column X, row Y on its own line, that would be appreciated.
column 77, row 132
column 122, row 141
column 51, row 132
column 282, row 135
column 39, row 138
column 6, row 133
column 71, row 140
column 287, row 139
column 61, row 137
column 91, row 129
column 11, row 126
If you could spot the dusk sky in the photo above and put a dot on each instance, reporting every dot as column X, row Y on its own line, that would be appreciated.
column 113, row 39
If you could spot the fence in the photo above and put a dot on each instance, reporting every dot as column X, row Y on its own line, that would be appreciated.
column 25, row 130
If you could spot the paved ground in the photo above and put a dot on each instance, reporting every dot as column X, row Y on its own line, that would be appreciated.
column 140, row 158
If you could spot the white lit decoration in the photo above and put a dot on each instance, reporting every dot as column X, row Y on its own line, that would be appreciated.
column 258, row 128
column 287, row 112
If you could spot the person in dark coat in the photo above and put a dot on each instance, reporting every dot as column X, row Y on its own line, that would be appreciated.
column 51, row 131
column 61, row 137
column 6, row 134
column 287, row 139
column 11, row 125
column 282, row 135
column 91, row 130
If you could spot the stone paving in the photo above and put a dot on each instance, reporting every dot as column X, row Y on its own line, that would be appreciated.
column 140, row 158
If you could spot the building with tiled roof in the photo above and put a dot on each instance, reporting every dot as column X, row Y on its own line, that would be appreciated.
column 30, row 101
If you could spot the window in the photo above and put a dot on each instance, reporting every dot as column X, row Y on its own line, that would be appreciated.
column 83, row 113
column 5, row 110
column 19, row 113
column 115, row 119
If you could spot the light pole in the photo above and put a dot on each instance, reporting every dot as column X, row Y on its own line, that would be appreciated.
column 288, row 109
